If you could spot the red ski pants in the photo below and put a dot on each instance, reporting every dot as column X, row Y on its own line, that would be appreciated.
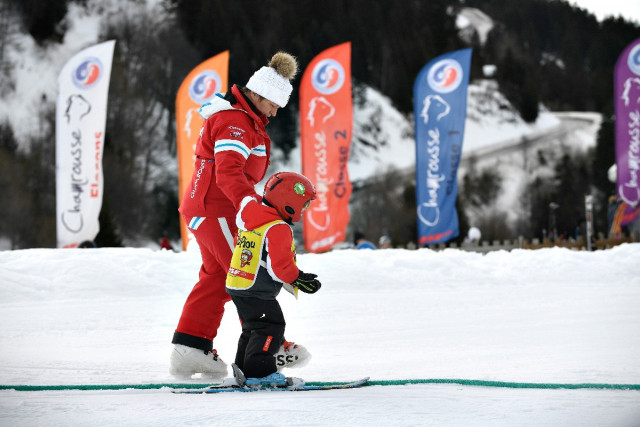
column 204, row 308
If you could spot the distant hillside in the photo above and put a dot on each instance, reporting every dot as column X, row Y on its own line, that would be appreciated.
column 502, row 157
column 539, row 55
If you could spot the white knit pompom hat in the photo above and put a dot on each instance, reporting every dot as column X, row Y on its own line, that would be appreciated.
column 272, row 82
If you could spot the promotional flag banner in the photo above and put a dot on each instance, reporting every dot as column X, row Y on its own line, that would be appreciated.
column 326, row 120
column 81, row 114
column 200, row 85
column 440, row 106
column 627, row 110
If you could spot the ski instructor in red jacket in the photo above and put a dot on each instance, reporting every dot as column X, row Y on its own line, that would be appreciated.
column 232, row 155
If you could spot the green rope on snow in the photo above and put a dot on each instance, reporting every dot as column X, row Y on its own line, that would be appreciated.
column 407, row 382
column 483, row 383
column 86, row 387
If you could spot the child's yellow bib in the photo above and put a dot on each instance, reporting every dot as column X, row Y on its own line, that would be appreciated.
column 247, row 255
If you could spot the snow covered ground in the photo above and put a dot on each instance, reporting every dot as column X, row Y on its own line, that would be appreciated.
column 551, row 316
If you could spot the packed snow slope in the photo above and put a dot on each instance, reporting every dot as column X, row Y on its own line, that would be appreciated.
column 551, row 316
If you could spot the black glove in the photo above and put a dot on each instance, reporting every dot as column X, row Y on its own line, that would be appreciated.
column 307, row 282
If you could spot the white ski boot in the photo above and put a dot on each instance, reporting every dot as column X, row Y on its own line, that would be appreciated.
column 292, row 355
column 186, row 361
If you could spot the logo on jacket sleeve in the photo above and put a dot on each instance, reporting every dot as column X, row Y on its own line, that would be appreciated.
column 236, row 132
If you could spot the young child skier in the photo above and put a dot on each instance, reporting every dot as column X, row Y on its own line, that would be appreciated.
column 263, row 261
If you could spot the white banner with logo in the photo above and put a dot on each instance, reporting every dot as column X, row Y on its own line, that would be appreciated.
column 81, row 114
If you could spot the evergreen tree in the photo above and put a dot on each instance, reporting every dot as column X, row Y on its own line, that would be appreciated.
column 42, row 19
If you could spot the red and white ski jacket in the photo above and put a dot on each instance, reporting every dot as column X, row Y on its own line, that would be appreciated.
column 232, row 155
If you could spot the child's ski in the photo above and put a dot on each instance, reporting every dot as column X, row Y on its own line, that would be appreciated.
column 296, row 387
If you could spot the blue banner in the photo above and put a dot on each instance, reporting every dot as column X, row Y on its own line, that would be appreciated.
column 440, row 106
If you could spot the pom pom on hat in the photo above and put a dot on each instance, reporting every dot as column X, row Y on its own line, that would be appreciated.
column 272, row 82
column 284, row 64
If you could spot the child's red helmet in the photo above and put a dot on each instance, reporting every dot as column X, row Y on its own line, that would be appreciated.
column 289, row 193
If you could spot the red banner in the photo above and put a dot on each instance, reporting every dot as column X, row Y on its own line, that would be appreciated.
column 199, row 87
column 326, row 119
